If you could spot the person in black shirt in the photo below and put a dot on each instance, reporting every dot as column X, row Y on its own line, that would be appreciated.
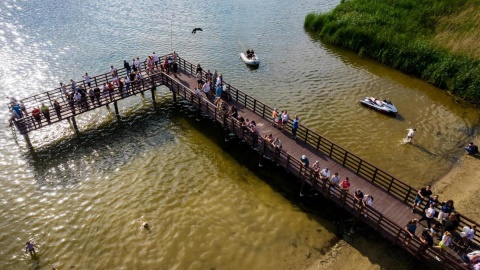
column 471, row 149
column 422, row 194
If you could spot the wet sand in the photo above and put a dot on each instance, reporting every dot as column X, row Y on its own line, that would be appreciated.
column 461, row 185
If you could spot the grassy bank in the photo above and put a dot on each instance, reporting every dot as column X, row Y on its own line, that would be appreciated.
column 435, row 40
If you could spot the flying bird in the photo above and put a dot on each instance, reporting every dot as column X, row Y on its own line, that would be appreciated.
column 196, row 29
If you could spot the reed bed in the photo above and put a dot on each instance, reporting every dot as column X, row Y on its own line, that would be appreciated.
column 435, row 40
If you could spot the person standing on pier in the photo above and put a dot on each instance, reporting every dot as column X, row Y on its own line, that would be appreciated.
column 88, row 79
column 410, row 229
column 155, row 59
column 422, row 194
column 215, row 77
column 274, row 116
column 45, row 111
column 344, row 187
column 296, row 120
column 127, row 67
column 285, row 119
column 175, row 69
column 304, row 160
column 58, row 109
column 36, row 115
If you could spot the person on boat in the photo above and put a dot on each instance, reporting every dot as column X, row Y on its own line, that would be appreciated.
column 248, row 54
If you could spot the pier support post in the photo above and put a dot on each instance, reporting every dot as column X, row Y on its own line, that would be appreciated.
column 116, row 108
column 27, row 140
column 153, row 94
column 74, row 123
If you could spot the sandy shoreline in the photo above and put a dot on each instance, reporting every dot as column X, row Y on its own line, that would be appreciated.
column 460, row 184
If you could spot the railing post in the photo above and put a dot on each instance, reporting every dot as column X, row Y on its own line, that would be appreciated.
column 306, row 135
column 254, row 105
column 374, row 175
column 345, row 158
column 263, row 111
column 331, row 150
column 236, row 95
column 408, row 194
column 245, row 100
column 359, row 165
column 318, row 142
column 288, row 162
column 390, row 185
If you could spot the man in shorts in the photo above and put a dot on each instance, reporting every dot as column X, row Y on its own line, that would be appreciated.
column 422, row 194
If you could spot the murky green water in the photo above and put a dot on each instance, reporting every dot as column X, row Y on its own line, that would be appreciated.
column 83, row 199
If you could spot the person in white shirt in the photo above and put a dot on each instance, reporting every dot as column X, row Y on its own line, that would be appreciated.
column 411, row 133
column 325, row 174
column 468, row 234
column 88, row 79
column 198, row 92
column 155, row 59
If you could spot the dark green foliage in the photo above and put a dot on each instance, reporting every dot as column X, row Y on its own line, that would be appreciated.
column 399, row 33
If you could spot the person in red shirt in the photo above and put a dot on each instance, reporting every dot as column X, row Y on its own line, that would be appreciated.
column 36, row 115
column 344, row 187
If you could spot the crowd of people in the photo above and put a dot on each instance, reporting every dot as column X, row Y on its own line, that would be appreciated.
column 81, row 96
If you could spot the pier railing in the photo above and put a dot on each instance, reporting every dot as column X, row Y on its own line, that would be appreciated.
column 354, row 163
column 266, row 150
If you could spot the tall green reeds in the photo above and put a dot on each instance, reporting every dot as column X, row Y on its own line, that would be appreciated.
column 404, row 34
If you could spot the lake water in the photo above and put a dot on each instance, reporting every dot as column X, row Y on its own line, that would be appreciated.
column 83, row 199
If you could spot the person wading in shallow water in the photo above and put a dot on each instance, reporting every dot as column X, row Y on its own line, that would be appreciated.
column 30, row 247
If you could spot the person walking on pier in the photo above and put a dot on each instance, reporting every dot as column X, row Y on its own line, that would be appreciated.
column 422, row 194
column 45, row 111
column 96, row 92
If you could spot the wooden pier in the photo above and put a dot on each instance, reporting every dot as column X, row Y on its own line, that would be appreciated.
column 393, row 198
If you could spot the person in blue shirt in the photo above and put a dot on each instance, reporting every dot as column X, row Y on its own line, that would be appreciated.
column 305, row 161
column 295, row 127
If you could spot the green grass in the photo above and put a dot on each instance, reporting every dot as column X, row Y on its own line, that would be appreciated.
column 435, row 40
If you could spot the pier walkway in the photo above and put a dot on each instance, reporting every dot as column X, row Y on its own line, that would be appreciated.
column 392, row 198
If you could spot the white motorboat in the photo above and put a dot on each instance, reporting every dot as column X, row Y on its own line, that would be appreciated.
column 384, row 106
column 253, row 61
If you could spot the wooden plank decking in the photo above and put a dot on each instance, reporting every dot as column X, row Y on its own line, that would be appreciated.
column 391, row 210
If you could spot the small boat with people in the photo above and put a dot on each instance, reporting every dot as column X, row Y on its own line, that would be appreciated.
column 250, row 58
column 383, row 106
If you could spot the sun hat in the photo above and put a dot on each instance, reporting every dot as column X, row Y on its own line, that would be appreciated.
column 304, row 157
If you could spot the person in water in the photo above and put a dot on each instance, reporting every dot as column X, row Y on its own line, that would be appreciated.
column 411, row 133
column 30, row 247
